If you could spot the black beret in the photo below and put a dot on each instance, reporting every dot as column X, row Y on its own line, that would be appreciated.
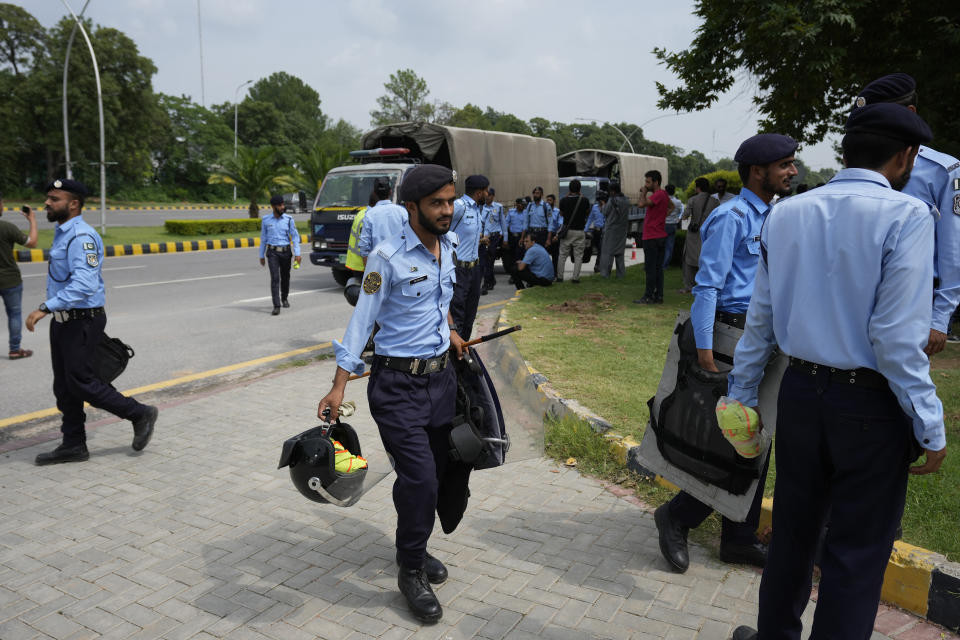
column 764, row 148
column 476, row 182
column 890, row 121
column 492, row 191
column 276, row 199
column 73, row 186
column 424, row 179
column 896, row 87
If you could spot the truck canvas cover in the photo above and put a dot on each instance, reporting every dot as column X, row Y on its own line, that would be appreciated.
column 514, row 163
column 627, row 167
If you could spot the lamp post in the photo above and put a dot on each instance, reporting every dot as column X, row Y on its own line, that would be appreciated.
column 66, row 122
column 103, row 153
column 645, row 123
column 236, row 96
column 615, row 127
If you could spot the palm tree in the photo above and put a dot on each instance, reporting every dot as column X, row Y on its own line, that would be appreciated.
column 254, row 171
column 312, row 165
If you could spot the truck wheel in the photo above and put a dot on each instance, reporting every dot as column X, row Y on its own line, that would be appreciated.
column 341, row 275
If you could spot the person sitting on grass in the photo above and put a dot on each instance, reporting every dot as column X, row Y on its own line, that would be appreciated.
column 536, row 268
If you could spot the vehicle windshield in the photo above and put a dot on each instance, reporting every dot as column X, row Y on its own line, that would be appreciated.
column 588, row 188
column 351, row 189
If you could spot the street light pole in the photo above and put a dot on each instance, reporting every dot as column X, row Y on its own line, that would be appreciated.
column 66, row 122
column 103, row 152
column 236, row 96
column 643, row 124
column 615, row 127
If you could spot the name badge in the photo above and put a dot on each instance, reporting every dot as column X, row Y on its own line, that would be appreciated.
column 420, row 279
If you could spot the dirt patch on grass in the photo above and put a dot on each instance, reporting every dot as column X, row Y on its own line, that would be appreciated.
column 947, row 359
column 588, row 312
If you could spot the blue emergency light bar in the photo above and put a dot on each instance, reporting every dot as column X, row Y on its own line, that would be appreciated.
column 366, row 153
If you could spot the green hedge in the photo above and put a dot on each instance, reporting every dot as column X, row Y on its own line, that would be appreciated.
column 732, row 178
column 211, row 227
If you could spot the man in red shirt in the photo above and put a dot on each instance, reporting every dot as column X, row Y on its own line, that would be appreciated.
column 658, row 206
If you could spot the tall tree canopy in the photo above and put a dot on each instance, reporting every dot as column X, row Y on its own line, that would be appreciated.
column 405, row 100
column 809, row 60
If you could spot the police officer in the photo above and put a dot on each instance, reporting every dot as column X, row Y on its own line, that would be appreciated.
column 278, row 234
column 844, row 287
column 516, row 225
column 728, row 264
column 407, row 289
column 75, row 298
column 537, row 217
column 466, row 223
column 594, row 228
column 554, row 223
column 382, row 222
column 935, row 179
column 494, row 229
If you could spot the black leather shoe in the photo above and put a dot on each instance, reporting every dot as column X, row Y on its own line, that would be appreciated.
column 420, row 597
column 744, row 633
column 436, row 572
column 78, row 453
column 286, row 305
column 673, row 539
column 143, row 428
column 275, row 312
column 644, row 300
column 755, row 554
column 484, row 292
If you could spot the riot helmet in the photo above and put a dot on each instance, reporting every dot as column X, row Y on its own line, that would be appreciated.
column 325, row 465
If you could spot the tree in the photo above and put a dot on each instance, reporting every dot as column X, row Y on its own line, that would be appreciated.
column 22, row 39
column 194, row 139
column 253, row 171
column 405, row 100
column 810, row 59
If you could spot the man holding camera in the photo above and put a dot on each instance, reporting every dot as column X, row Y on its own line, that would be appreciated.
column 11, row 283
column 75, row 298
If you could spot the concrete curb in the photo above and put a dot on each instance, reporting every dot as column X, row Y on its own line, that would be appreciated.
column 917, row 580
column 42, row 255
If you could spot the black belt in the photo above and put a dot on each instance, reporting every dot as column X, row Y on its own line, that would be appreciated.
column 75, row 314
column 414, row 366
column 464, row 264
column 279, row 247
column 738, row 320
column 862, row 377
column 536, row 229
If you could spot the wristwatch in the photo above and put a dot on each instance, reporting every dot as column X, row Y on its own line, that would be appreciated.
column 43, row 307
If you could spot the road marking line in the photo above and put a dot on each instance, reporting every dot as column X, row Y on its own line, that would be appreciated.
column 492, row 304
column 139, row 266
column 46, row 413
column 295, row 293
column 150, row 284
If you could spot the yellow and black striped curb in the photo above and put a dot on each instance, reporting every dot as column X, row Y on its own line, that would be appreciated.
column 42, row 255
column 198, row 207
column 917, row 580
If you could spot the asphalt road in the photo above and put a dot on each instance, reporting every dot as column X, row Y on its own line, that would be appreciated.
column 187, row 313
column 138, row 217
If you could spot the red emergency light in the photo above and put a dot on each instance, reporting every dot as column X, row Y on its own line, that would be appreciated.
column 366, row 153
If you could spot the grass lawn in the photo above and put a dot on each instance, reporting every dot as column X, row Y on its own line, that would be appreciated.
column 598, row 347
column 141, row 235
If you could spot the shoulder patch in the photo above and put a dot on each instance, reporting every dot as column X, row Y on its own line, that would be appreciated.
column 92, row 259
column 956, row 204
column 956, row 184
column 371, row 283
column 89, row 246
column 955, row 165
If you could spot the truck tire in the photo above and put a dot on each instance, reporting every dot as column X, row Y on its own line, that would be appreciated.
column 341, row 275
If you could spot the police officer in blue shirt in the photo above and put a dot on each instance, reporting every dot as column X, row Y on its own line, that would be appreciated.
column 467, row 215
column 844, row 287
column 935, row 179
column 516, row 225
column 594, row 228
column 536, row 267
column 494, row 230
column 728, row 264
column 554, row 223
column 75, row 299
column 382, row 222
column 537, row 217
column 278, row 236
column 407, row 289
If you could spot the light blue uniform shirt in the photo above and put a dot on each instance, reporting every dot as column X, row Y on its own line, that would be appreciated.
column 846, row 282
column 494, row 221
column 728, row 262
column 466, row 224
column 73, row 273
column 537, row 215
column 936, row 180
column 410, row 304
column 674, row 216
column 383, row 221
column 539, row 262
column 556, row 221
column 280, row 231
column 595, row 220
column 516, row 221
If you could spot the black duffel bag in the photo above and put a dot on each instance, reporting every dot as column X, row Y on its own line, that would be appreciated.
column 112, row 357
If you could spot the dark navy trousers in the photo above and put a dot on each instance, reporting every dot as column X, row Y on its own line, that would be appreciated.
column 466, row 298
column 844, row 450
column 414, row 415
column 279, row 263
column 488, row 258
column 73, row 348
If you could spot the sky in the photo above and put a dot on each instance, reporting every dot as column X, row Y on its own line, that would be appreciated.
column 555, row 59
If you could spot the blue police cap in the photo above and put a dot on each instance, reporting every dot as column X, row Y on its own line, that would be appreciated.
column 276, row 199
column 890, row 121
column 424, row 179
column 895, row 87
column 476, row 182
column 73, row 186
column 764, row 148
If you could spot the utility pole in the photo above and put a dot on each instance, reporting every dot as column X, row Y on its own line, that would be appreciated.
column 203, row 99
column 66, row 74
